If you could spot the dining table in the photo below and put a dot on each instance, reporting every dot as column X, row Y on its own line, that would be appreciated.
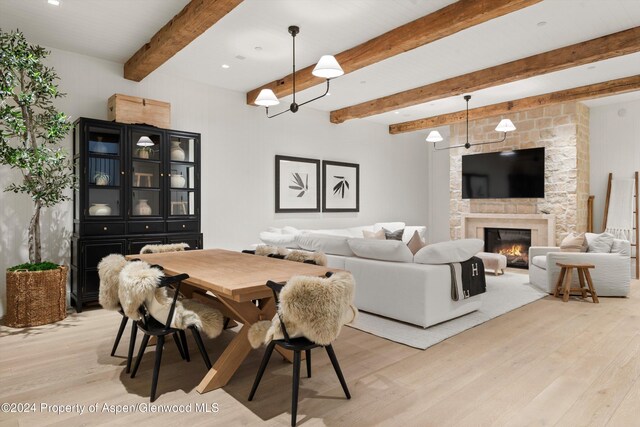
column 234, row 283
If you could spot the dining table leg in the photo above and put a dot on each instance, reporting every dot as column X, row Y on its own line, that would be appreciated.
column 239, row 348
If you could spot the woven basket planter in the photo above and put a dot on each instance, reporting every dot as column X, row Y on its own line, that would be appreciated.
column 36, row 297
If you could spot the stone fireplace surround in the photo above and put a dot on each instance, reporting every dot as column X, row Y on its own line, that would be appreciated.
column 542, row 226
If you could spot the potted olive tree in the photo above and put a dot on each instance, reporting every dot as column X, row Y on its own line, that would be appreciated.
column 31, row 131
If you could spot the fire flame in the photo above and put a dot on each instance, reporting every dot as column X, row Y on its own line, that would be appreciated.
column 514, row 250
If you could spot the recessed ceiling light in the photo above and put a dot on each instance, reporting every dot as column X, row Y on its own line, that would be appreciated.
column 225, row 66
column 328, row 93
column 258, row 48
column 362, row 82
column 591, row 67
column 396, row 112
column 240, row 57
column 541, row 23
column 54, row 2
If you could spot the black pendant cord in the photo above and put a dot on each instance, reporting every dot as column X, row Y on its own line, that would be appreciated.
column 468, row 145
column 294, row 74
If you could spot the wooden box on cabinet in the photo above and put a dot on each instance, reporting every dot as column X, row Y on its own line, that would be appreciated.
column 132, row 109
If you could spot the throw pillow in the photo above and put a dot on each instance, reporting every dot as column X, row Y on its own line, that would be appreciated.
column 378, row 235
column 275, row 239
column 600, row 243
column 446, row 252
column 574, row 243
column 410, row 229
column 384, row 250
column 393, row 235
column 415, row 243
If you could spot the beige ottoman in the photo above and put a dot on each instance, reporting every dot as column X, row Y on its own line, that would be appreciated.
column 495, row 262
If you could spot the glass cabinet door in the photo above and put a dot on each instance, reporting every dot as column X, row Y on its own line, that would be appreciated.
column 183, row 175
column 103, row 172
column 146, row 173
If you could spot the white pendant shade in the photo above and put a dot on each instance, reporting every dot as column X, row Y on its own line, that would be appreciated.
column 505, row 125
column 266, row 98
column 145, row 141
column 327, row 68
column 434, row 136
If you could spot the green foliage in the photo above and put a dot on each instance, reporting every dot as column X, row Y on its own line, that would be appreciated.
column 36, row 266
column 31, row 128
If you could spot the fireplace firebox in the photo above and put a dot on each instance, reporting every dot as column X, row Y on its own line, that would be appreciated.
column 513, row 243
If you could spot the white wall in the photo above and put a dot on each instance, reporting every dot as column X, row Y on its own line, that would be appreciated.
column 615, row 147
column 238, row 149
column 439, row 195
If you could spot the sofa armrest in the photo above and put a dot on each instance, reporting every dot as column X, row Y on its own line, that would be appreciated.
column 541, row 250
column 601, row 260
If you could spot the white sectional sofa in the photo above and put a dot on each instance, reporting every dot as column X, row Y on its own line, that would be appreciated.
column 408, row 291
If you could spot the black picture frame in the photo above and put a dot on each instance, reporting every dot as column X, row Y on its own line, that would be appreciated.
column 332, row 192
column 285, row 201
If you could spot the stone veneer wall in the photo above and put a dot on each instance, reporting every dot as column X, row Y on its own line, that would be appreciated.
column 564, row 132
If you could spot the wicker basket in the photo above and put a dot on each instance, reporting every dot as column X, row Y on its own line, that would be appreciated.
column 36, row 297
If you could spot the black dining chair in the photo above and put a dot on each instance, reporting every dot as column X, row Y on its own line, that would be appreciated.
column 152, row 327
column 297, row 345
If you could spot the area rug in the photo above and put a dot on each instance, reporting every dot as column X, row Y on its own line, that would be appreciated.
column 504, row 293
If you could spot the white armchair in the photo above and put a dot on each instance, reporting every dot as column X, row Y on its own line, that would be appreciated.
column 611, row 275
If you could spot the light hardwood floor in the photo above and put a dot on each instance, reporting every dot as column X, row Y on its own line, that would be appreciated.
column 547, row 363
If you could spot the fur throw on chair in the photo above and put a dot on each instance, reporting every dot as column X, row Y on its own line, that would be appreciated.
column 313, row 307
column 156, row 249
column 293, row 255
column 109, row 270
column 139, row 285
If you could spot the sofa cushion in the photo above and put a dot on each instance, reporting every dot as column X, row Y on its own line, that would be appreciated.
column 574, row 243
column 540, row 261
column 377, row 235
column 274, row 230
column 383, row 250
column 409, row 230
column 392, row 226
column 393, row 235
column 600, row 243
column 446, row 252
column 329, row 244
column 621, row 247
column 291, row 230
column 415, row 243
column 275, row 239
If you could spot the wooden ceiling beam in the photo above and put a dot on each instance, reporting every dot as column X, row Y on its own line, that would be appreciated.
column 610, row 46
column 593, row 91
column 193, row 20
column 439, row 24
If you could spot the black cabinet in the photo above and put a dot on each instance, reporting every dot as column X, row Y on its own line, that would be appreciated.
column 138, row 185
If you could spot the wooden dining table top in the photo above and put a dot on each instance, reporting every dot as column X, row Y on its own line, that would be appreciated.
column 235, row 275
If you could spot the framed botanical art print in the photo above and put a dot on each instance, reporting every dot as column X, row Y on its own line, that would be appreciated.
column 297, row 184
column 341, row 187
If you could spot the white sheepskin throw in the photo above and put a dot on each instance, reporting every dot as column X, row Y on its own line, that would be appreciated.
column 139, row 284
column 318, row 258
column 109, row 270
column 265, row 250
column 313, row 307
column 156, row 249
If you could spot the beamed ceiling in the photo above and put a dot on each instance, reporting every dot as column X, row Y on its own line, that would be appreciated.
column 407, row 61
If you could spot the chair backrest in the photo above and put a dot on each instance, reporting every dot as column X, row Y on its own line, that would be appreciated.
column 153, row 308
column 171, row 247
column 315, row 307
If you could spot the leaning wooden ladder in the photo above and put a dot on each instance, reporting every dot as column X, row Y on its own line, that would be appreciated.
column 634, row 254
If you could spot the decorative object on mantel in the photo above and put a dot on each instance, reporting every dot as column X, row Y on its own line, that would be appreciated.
column 297, row 184
column 135, row 110
column 31, row 133
column 504, row 126
column 326, row 68
column 341, row 187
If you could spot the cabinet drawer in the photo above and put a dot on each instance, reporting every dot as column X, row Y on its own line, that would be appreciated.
column 146, row 227
column 95, row 250
column 182, row 226
column 104, row 229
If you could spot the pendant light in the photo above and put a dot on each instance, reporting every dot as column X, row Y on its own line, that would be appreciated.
column 504, row 126
column 326, row 68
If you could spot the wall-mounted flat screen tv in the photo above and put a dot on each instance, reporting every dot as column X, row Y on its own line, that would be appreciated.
column 503, row 175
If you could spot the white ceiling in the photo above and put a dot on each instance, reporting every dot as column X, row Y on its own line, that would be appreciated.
column 115, row 29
